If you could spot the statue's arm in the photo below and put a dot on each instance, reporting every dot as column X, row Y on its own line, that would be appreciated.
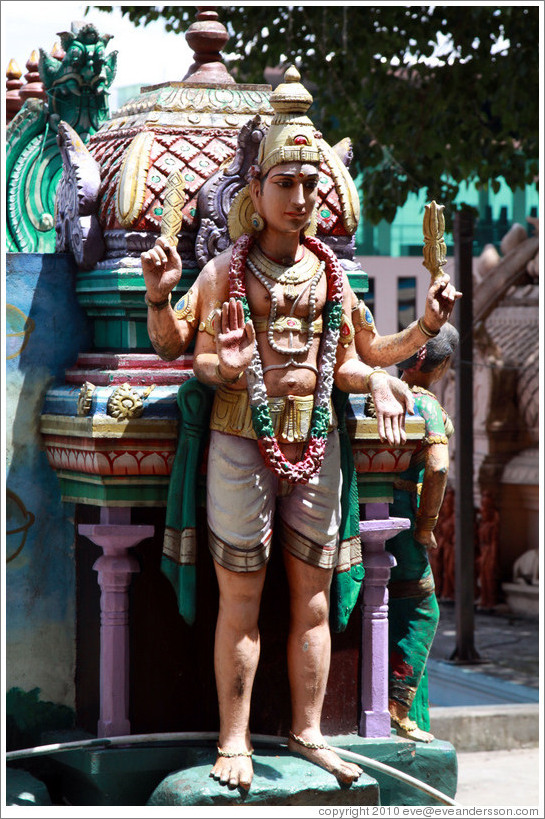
column 392, row 397
column 222, row 358
column 434, row 484
column 384, row 351
column 170, row 330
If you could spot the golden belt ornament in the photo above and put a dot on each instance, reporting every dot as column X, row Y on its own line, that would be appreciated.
column 291, row 415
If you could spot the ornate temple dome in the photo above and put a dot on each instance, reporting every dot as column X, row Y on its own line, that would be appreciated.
column 192, row 127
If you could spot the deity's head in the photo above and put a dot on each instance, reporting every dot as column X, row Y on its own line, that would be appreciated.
column 292, row 136
column 293, row 144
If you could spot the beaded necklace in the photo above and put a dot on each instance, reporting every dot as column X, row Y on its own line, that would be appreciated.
column 309, row 465
column 273, row 312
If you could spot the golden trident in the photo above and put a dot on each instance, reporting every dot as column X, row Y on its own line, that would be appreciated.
column 435, row 249
column 171, row 222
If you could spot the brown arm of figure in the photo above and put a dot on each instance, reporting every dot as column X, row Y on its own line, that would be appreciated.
column 162, row 269
column 392, row 397
column 433, row 489
column 383, row 351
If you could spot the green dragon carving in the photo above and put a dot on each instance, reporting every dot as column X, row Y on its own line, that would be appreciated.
column 77, row 93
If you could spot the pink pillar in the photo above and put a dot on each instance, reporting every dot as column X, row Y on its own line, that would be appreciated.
column 115, row 535
column 375, row 530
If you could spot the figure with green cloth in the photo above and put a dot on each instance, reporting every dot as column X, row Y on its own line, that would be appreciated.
column 418, row 495
column 282, row 337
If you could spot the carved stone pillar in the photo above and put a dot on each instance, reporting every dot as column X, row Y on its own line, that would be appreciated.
column 115, row 535
column 375, row 530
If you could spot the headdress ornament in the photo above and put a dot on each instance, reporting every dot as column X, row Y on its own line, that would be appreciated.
column 291, row 137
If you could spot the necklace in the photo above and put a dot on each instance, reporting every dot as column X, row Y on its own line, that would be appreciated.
column 309, row 465
column 288, row 276
column 273, row 312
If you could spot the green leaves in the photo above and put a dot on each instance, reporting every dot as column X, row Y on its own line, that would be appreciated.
column 469, row 114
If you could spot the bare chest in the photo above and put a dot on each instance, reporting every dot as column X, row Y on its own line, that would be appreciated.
column 266, row 297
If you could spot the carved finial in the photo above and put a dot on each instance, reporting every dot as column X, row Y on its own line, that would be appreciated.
column 58, row 52
column 435, row 249
column 13, row 85
column 207, row 36
column 34, row 86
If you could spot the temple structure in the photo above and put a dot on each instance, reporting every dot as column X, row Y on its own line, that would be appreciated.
column 93, row 431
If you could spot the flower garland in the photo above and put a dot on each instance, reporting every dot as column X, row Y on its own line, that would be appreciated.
column 309, row 465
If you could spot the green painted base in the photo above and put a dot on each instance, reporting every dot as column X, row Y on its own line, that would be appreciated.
column 24, row 789
column 170, row 772
column 279, row 779
column 97, row 490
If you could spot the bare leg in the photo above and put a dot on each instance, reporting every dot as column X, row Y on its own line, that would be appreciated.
column 236, row 654
column 309, row 651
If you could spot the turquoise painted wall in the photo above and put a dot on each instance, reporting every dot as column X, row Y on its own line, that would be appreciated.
column 45, row 330
column 497, row 212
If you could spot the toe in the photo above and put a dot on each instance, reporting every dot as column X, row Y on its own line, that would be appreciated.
column 245, row 781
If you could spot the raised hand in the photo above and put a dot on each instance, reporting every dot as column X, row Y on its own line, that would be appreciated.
column 235, row 340
column 392, row 399
column 162, row 269
column 440, row 301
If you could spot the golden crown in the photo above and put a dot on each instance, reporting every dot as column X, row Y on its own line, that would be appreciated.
column 291, row 136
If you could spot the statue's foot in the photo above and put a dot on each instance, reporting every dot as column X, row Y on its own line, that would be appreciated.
column 233, row 768
column 409, row 729
column 326, row 757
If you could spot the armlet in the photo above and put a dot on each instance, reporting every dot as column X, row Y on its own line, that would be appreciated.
column 347, row 332
column 183, row 310
column 363, row 318
column 208, row 326
column 435, row 438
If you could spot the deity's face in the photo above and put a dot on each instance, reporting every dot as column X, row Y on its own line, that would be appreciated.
column 287, row 196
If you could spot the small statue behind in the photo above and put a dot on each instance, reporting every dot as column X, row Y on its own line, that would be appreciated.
column 489, row 535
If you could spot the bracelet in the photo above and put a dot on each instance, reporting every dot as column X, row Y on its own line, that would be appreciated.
column 373, row 371
column 426, row 330
column 228, row 380
column 426, row 522
column 157, row 305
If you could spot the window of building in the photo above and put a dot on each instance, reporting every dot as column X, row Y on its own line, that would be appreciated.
column 406, row 301
column 369, row 297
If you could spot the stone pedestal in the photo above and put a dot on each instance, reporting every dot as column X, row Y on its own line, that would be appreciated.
column 375, row 530
column 115, row 535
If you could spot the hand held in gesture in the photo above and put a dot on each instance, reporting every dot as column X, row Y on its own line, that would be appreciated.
column 235, row 340
column 162, row 269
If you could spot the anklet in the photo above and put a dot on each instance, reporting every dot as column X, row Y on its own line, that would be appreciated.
column 231, row 754
column 313, row 746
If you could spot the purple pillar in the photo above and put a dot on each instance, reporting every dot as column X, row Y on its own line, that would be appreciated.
column 115, row 535
column 375, row 530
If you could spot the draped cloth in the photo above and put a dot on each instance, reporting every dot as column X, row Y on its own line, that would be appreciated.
column 348, row 575
column 187, row 491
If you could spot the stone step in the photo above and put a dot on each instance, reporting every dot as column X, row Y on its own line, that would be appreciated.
column 279, row 779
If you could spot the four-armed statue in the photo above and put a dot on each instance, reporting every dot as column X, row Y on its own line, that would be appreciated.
column 213, row 214
column 281, row 338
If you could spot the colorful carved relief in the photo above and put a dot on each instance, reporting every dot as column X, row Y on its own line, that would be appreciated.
column 125, row 403
column 76, row 91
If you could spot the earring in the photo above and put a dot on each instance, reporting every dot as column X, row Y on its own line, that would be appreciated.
column 312, row 226
column 257, row 221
